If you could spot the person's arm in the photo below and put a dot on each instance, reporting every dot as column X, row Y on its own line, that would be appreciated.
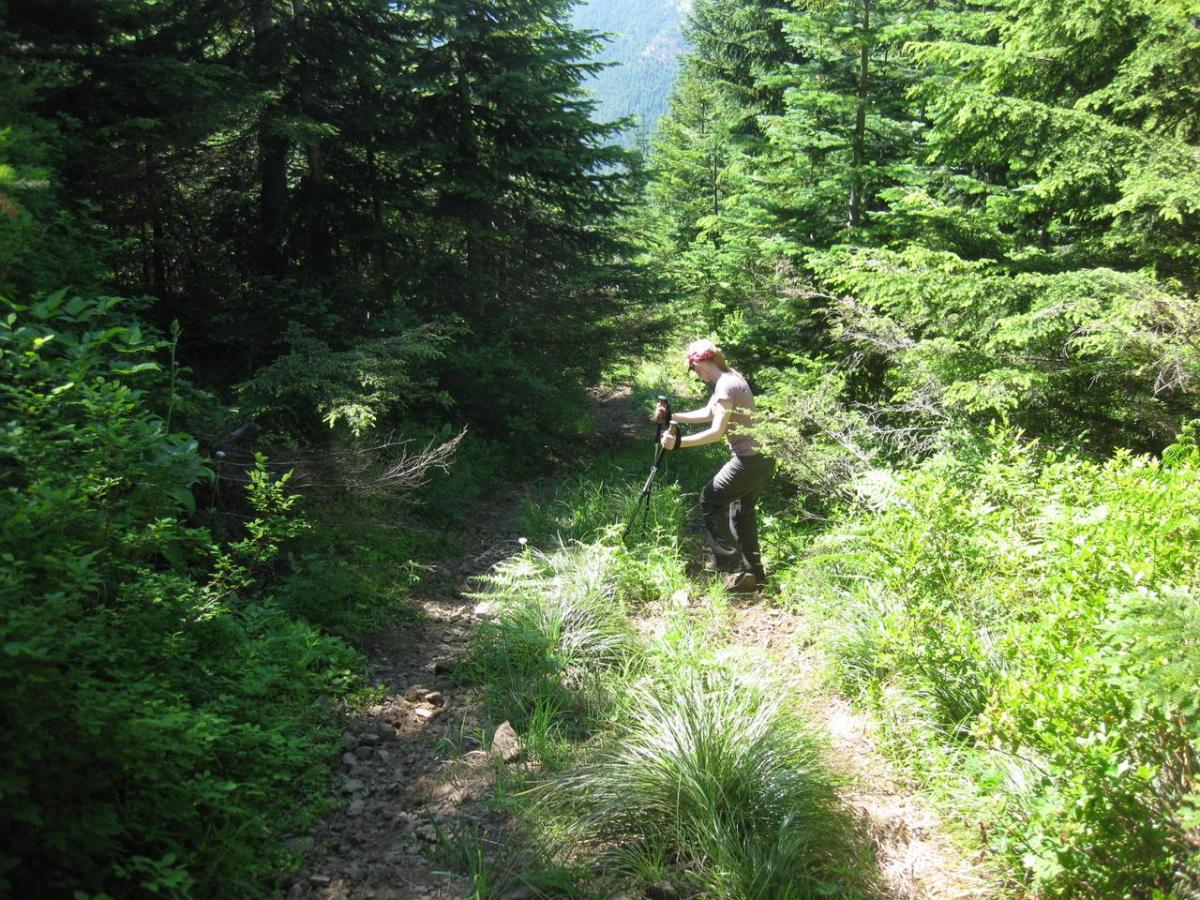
column 720, row 421
column 695, row 417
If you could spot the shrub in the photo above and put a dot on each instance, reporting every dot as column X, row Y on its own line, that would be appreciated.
column 1041, row 607
column 159, row 711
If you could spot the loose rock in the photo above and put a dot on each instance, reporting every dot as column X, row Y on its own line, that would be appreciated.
column 506, row 744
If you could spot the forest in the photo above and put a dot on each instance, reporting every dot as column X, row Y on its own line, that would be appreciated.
column 330, row 334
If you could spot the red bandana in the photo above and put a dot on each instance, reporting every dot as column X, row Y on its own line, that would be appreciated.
column 700, row 356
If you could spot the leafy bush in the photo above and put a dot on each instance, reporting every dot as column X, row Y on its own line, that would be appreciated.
column 1042, row 607
column 159, row 712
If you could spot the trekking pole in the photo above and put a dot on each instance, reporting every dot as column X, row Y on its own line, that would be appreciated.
column 643, row 501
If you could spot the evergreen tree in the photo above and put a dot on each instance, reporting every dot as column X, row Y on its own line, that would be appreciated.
column 1046, row 266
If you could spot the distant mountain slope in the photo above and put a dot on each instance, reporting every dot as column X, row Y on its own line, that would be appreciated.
column 646, row 44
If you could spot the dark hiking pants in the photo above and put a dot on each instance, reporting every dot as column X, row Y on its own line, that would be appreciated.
column 727, row 503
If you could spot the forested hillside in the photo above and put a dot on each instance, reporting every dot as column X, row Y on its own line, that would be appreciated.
column 643, row 48
column 298, row 297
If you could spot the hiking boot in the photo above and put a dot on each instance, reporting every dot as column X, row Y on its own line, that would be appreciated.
column 741, row 583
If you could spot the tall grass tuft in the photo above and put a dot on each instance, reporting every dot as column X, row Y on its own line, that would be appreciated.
column 559, row 631
column 718, row 782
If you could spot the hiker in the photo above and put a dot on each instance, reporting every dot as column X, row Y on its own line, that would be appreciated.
column 727, row 501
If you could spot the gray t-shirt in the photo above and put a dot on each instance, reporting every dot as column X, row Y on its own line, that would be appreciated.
column 732, row 387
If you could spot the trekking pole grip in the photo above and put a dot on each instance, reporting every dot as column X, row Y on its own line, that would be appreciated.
column 662, row 399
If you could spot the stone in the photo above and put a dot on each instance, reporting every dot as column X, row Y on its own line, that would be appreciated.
column 364, row 752
column 349, row 760
column 319, row 879
column 299, row 844
column 443, row 666
column 354, row 872
column 506, row 743
column 356, row 807
column 662, row 890
column 368, row 737
column 415, row 693
column 348, row 741
column 353, row 786
column 427, row 712
column 384, row 757
column 385, row 731
column 436, row 698
column 681, row 598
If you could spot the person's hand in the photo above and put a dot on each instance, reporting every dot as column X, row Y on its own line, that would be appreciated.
column 668, row 438
column 660, row 413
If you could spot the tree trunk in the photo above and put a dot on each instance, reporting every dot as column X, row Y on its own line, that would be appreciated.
column 860, row 121
column 472, row 214
column 379, row 238
column 273, row 146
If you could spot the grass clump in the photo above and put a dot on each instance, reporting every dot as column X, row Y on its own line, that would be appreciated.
column 559, row 630
column 717, row 782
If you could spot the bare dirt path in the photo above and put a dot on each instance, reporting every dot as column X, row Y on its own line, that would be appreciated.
column 916, row 856
column 413, row 765
column 413, row 769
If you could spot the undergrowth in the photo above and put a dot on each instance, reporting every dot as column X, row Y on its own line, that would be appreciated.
column 1024, row 624
column 649, row 762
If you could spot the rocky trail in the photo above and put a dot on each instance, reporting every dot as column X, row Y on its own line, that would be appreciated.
column 414, row 772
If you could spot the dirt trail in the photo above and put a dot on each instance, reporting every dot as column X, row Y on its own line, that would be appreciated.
column 915, row 855
column 413, row 764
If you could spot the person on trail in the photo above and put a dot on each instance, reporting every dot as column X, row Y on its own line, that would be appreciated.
column 727, row 501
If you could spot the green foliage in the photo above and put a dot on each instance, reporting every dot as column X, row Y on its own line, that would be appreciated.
column 715, row 779
column 159, row 710
column 1026, row 598
column 559, row 630
column 506, row 867
column 363, row 388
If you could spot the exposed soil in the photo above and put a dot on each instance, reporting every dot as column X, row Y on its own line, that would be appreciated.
column 414, row 773
column 915, row 856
